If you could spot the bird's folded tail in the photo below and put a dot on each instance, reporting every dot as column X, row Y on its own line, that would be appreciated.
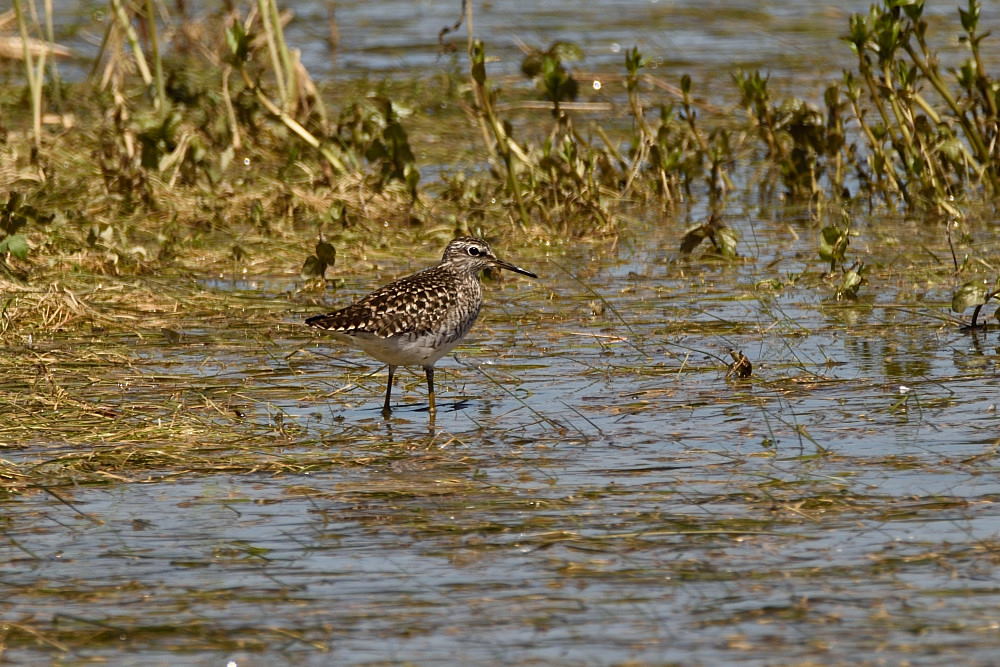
column 327, row 321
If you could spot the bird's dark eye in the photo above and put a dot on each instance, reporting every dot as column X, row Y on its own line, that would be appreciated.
column 474, row 251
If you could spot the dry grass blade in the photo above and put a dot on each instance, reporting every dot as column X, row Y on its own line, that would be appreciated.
column 13, row 48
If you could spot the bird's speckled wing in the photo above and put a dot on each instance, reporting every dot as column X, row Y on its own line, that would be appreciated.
column 418, row 304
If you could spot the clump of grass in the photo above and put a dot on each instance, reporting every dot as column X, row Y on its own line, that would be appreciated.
column 171, row 144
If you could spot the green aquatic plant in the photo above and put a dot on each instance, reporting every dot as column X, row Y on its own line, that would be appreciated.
column 562, row 180
column 323, row 258
column 15, row 214
column 851, row 280
column 805, row 145
column 974, row 294
column 723, row 239
column 548, row 68
column 374, row 130
column 833, row 242
column 929, row 140
column 503, row 150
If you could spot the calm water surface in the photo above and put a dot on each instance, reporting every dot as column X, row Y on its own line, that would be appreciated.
column 593, row 489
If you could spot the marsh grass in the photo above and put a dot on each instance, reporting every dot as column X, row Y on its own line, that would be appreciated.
column 228, row 158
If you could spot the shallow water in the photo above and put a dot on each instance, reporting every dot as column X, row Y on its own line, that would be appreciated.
column 593, row 488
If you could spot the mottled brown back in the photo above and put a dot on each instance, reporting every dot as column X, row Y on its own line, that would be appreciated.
column 436, row 299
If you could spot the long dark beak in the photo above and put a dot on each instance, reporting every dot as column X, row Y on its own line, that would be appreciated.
column 510, row 267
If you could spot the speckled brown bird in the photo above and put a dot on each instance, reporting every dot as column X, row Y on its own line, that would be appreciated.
column 420, row 318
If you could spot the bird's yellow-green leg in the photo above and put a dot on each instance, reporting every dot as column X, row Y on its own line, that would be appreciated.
column 388, row 391
column 429, row 370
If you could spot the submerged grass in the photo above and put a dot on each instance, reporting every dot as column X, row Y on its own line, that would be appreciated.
column 163, row 405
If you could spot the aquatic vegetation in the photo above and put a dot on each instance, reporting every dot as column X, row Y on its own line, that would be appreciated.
column 735, row 392
column 974, row 294
column 172, row 130
column 926, row 151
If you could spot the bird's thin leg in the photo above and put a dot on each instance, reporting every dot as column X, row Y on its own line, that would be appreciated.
column 388, row 391
column 429, row 370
